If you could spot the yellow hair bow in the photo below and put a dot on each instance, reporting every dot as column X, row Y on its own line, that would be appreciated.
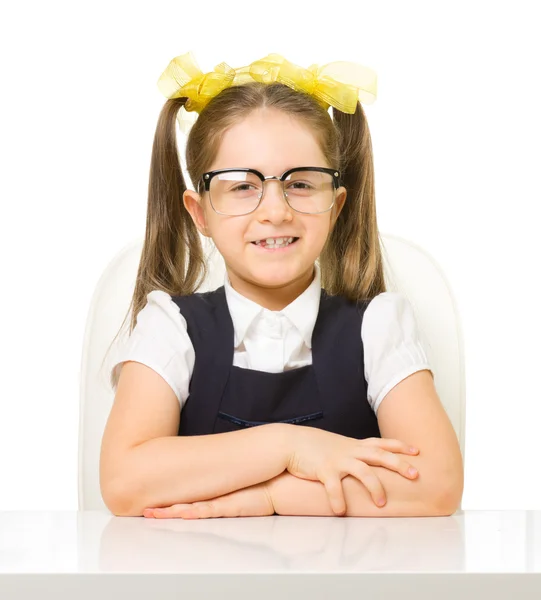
column 339, row 84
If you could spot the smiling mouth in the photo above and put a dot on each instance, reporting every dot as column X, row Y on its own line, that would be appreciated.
column 272, row 243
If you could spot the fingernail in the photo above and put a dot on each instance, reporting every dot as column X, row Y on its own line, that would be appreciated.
column 381, row 501
column 412, row 449
column 412, row 471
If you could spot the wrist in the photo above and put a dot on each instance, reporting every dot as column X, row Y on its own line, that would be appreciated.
column 284, row 443
column 272, row 489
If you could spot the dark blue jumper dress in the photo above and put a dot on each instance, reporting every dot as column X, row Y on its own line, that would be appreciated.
column 330, row 394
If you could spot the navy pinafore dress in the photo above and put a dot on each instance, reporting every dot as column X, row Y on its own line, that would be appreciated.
column 330, row 394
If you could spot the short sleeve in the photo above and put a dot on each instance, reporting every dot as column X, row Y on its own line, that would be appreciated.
column 160, row 340
column 392, row 345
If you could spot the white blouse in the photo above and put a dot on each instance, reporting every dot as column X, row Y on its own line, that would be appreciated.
column 276, row 341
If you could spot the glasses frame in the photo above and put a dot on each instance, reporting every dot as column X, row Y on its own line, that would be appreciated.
column 207, row 178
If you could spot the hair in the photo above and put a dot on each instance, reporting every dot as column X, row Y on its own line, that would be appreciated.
column 172, row 257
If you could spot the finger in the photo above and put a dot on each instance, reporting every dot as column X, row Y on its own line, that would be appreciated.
column 190, row 513
column 204, row 510
column 369, row 479
column 379, row 457
column 335, row 492
column 391, row 445
column 176, row 511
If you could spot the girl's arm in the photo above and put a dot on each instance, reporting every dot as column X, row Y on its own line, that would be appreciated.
column 289, row 495
column 436, row 491
column 293, row 496
column 145, row 463
column 156, row 471
column 410, row 411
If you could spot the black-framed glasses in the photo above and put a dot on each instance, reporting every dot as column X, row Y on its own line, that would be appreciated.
column 236, row 192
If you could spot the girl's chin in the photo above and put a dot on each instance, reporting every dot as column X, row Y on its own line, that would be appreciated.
column 274, row 277
column 266, row 279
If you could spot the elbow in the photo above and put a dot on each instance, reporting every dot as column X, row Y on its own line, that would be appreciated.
column 447, row 506
column 119, row 498
column 449, row 498
column 448, row 485
column 120, row 491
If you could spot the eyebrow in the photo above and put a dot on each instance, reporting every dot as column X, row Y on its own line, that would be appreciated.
column 263, row 171
column 286, row 169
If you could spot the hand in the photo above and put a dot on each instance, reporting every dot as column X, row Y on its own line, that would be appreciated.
column 253, row 501
column 320, row 455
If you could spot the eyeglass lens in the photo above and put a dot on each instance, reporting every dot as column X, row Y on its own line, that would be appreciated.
column 238, row 192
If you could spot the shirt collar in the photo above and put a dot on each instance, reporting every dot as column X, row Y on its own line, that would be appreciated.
column 302, row 312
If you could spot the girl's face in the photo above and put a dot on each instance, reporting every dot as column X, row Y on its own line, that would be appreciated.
column 271, row 142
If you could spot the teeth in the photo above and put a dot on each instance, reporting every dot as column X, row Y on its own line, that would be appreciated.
column 273, row 243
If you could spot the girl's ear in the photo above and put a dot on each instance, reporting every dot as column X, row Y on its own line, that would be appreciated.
column 339, row 201
column 194, row 205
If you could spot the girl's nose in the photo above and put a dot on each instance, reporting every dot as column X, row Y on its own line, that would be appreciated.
column 274, row 206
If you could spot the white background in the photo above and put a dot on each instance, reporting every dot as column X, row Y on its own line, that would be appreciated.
column 455, row 131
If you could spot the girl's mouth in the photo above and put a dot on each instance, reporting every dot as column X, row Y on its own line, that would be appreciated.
column 275, row 244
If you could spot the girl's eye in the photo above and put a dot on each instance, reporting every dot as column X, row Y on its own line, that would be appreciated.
column 299, row 183
column 242, row 187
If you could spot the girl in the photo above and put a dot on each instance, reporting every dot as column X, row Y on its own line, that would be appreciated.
column 299, row 386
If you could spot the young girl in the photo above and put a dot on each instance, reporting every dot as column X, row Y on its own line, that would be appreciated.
column 299, row 386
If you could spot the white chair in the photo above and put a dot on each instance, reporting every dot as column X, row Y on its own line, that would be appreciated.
column 407, row 267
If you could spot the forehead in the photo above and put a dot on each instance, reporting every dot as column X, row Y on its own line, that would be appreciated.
column 270, row 141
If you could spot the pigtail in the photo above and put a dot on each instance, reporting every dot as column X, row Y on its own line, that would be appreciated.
column 351, row 261
column 172, row 258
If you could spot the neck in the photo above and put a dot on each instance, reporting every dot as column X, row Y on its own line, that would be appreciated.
column 271, row 298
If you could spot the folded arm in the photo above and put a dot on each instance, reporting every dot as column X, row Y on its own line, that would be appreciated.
column 411, row 412
column 436, row 491
column 143, row 462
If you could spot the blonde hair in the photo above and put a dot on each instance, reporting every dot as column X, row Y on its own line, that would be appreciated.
column 172, row 258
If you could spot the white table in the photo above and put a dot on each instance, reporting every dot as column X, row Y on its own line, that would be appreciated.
column 92, row 554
